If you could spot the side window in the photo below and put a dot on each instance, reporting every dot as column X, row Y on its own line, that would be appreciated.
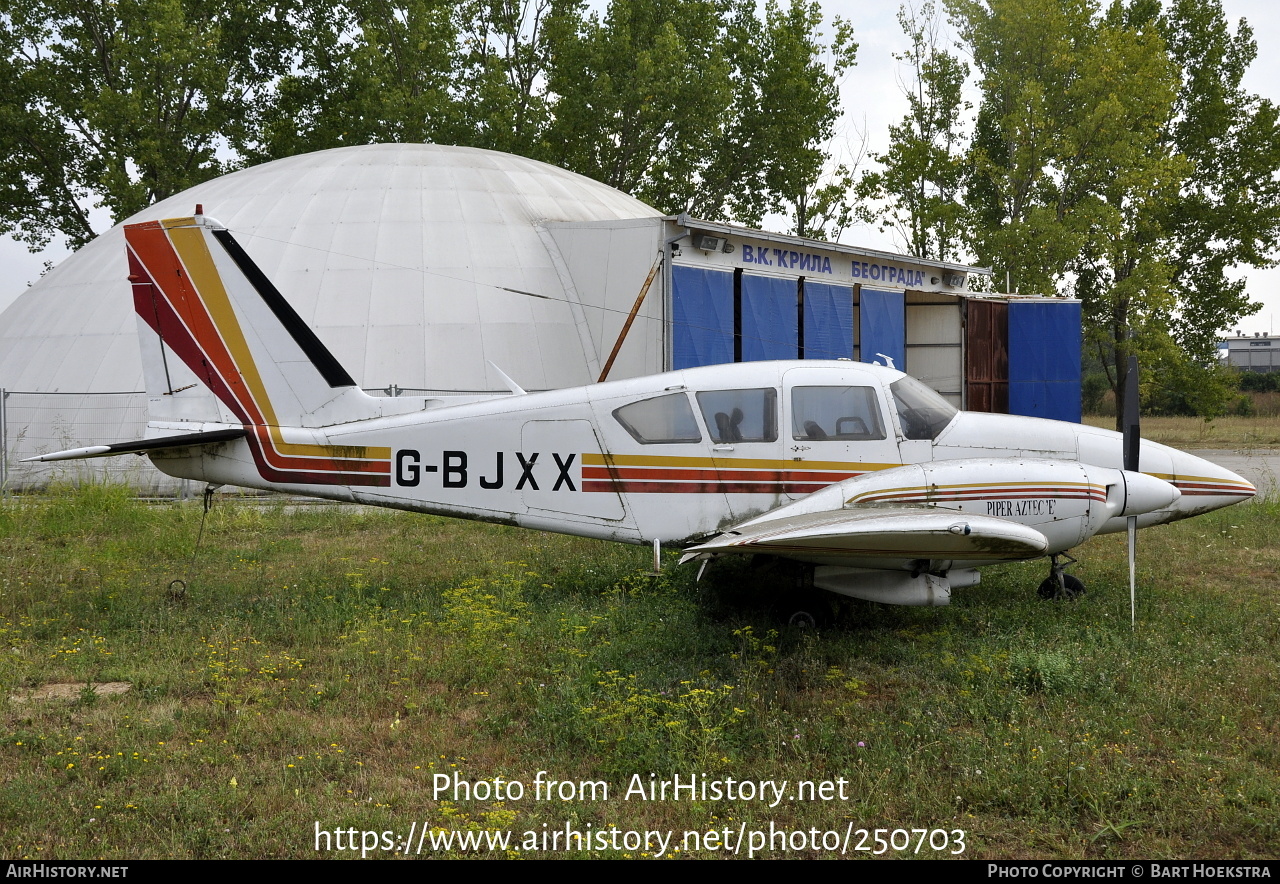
column 663, row 419
column 741, row 415
column 835, row 413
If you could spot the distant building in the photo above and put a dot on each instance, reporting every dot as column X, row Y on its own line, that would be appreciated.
column 1260, row 353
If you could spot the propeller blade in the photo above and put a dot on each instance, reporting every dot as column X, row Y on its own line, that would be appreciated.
column 1132, row 435
column 1132, row 449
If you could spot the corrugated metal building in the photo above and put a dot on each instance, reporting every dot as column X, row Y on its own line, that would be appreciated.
column 1260, row 353
column 741, row 295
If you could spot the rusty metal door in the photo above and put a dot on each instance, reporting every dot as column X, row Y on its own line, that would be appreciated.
column 986, row 360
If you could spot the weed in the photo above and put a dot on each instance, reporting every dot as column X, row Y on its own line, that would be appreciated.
column 1048, row 672
column 326, row 663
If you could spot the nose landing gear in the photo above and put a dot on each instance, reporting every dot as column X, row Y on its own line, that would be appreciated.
column 1061, row 586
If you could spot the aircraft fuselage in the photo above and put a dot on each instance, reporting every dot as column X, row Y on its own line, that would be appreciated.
column 680, row 456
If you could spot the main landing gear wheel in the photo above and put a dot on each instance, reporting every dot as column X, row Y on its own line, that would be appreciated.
column 802, row 620
column 806, row 608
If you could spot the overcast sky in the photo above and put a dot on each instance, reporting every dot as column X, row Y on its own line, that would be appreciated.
column 872, row 100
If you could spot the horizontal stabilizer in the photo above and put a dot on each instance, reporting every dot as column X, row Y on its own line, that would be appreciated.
column 904, row 532
column 143, row 446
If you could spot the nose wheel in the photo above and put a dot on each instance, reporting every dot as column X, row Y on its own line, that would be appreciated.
column 1059, row 585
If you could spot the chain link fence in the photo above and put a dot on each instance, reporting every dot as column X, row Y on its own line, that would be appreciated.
column 38, row 423
column 33, row 423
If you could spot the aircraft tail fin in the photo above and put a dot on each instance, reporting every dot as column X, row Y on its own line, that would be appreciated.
column 202, row 299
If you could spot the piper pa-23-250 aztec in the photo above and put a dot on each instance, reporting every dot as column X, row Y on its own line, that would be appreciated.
column 857, row 470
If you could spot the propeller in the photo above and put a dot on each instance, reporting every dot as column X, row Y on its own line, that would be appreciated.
column 1132, row 446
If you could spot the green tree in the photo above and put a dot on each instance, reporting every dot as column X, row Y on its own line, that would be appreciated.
column 1224, row 213
column 506, row 52
column 707, row 105
column 638, row 97
column 1073, row 175
column 367, row 71
column 826, row 207
column 701, row 105
column 698, row 105
column 1124, row 271
column 770, row 157
column 467, row 72
column 1116, row 157
column 120, row 104
column 1067, row 135
column 1228, row 212
column 922, row 173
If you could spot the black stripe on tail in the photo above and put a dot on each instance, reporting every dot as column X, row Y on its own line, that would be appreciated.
column 332, row 372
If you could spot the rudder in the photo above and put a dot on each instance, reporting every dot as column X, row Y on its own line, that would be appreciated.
column 243, row 355
column 207, row 303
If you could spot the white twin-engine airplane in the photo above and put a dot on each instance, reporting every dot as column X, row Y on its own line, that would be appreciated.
column 866, row 474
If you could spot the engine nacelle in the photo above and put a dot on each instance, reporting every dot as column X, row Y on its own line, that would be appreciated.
column 887, row 587
column 1067, row 501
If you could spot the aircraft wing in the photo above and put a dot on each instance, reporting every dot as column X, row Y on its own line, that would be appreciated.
column 143, row 446
column 885, row 533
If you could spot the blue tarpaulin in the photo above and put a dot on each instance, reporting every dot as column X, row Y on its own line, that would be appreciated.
column 769, row 324
column 702, row 317
column 882, row 321
column 828, row 321
column 1044, row 359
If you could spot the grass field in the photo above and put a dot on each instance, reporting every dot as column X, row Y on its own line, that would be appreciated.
column 325, row 664
column 1262, row 431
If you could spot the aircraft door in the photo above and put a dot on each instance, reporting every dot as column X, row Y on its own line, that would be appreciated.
column 746, row 447
column 837, row 427
column 551, row 472
column 657, row 458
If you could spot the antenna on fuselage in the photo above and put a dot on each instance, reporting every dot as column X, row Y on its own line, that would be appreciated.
column 516, row 389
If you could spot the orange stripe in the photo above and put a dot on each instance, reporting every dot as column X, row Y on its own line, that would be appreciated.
column 157, row 251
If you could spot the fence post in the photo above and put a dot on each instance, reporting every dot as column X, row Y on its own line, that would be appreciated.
column 4, row 444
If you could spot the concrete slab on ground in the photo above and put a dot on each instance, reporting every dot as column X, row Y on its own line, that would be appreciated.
column 1261, row 466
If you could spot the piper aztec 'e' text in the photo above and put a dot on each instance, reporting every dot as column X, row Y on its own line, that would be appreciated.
column 859, row 471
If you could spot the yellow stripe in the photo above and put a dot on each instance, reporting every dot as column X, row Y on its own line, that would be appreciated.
column 1179, row 477
column 190, row 244
column 194, row 252
column 658, row 460
column 981, row 486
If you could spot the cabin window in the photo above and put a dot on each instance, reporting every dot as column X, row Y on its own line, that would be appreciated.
column 836, row 414
column 661, row 420
column 922, row 413
column 741, row 415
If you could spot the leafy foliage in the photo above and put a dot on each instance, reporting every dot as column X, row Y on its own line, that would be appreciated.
column 122, row 104
column 1257, row 382
column 1228, row 211
column 924, row 168
column 711, row 106
column 1116, row 157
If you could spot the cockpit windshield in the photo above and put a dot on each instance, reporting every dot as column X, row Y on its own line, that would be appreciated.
column 921, row 411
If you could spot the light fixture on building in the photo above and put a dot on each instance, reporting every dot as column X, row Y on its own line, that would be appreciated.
column 708, row 243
